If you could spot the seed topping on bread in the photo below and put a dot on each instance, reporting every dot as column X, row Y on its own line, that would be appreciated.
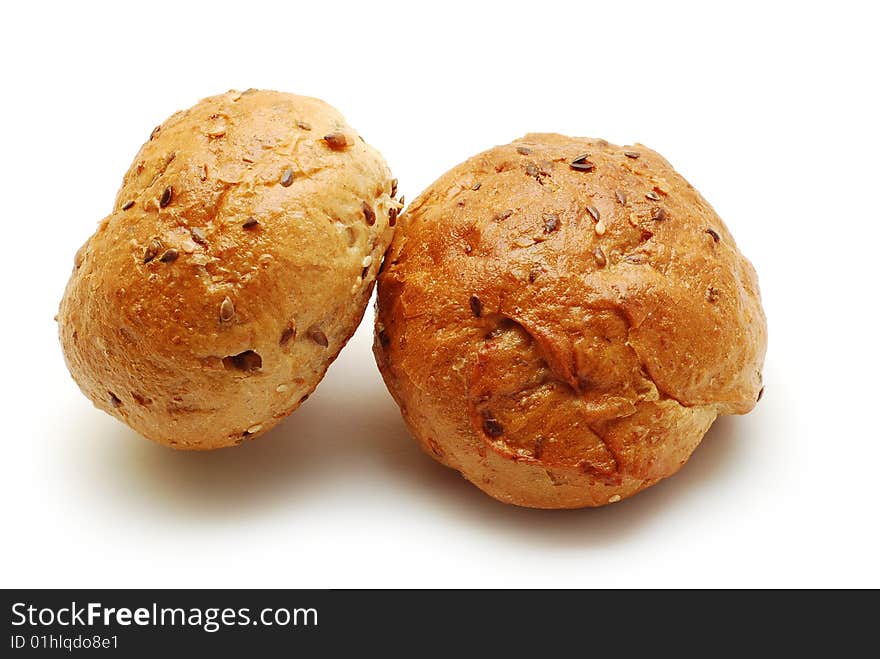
column 227, row 310
column 167, row 196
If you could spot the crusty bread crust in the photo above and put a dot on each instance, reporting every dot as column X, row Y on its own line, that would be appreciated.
column 562, row 319
column 238, row 260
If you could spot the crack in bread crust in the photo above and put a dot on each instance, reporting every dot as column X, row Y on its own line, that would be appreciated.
column 484, row 403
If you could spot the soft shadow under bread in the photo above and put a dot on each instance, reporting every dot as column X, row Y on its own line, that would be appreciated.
column 327, row 447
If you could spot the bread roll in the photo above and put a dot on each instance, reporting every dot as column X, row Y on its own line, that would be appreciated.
column 562, row 319
column 237, row 261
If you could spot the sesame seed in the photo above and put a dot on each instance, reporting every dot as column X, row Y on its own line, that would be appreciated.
column 632, row 154
column 621, row 197
column 600, row 228
column 281, row 388
column 127, row 205
column 287, row 177
column 250, row 223
column 714, row 235
column 599, row 255
column 523, row 150
column 658, row 214
column 592, row 210
column 167, row 196
column 152, row 250
column 369, row 213
column 316, row 335
column 476, row 186
column 614, row 499
column 653, row 196
column 476, row 306
column 257, row 427
column 336, row 141
column 227, row 310
column 169, row 256
column 304, row 125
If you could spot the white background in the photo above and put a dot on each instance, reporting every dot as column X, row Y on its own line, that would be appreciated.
column 769, row 109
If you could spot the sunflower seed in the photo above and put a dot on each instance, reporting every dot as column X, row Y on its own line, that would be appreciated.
column 658, row 214
column 336, row 141
column 585, row 166
column 198, row 236
column 476, row 306
column 316, row 335
column 227, row 310
column 492, row 427
column 369, row 213
column 288, row 334
column 152, row 250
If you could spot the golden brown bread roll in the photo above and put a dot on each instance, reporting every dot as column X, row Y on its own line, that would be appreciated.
column 562, row 319
column 237, row 262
